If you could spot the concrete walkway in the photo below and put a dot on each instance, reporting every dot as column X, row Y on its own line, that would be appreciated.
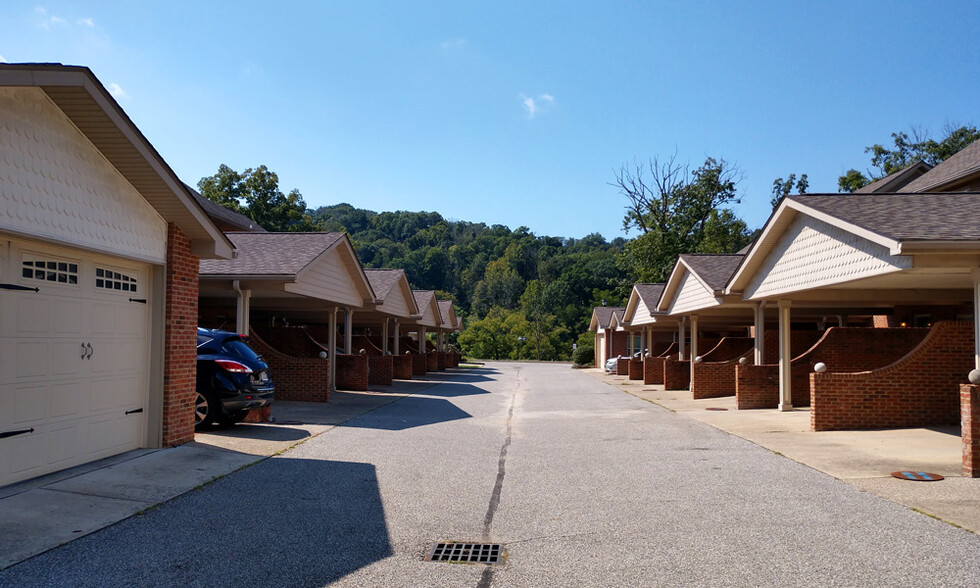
column 861, row 458
column 43, row 513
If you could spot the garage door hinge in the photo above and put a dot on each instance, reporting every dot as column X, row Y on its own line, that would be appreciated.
column 134, row 411
column 6, row 434
column 140, row 300
column 17, row 287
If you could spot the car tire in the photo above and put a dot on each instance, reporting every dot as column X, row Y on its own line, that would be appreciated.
column 206, row 410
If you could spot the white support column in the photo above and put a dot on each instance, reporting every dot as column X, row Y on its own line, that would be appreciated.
column 349, row 331
column 760, row 333
column 785, row 375
column 422, row 346
column 384, row 336
column 681, row 344
column 976, row 318
column 694, row 344
column 395, row 342
column 332, row 346
column 650, row 341
column 243, row 310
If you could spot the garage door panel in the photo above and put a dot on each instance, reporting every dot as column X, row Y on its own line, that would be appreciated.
column 76, row 405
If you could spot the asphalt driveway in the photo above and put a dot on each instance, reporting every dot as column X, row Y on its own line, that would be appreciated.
column 583, row 484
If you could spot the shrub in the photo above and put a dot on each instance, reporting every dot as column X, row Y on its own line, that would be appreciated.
column 584, row 355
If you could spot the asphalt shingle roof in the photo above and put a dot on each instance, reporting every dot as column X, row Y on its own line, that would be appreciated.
column 894, row 181
column 274, row 254
column 650, row 293
column 715, row 270
column 604, row 314
column 220, row 213
column 962, row 164
column 904, row 217
column 383, row 280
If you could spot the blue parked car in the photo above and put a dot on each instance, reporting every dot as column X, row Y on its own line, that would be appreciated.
column 231, row 379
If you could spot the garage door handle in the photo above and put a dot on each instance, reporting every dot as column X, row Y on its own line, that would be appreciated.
column 140, row 300
column 17, row 287
column 90, row 351
column 87, row 351
column 6, row 434
column 134, row 411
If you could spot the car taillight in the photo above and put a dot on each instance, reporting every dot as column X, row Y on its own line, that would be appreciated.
column 233, row 366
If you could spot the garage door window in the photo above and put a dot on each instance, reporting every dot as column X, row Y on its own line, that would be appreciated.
column 50, row 270
column 108, row 279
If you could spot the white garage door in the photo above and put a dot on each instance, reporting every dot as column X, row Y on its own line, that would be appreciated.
column 601, row 342
column 73, row 358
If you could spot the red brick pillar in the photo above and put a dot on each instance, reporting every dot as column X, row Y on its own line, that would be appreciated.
column 970, row 423
column 180, row 340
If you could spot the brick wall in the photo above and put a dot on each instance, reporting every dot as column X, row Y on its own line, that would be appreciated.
column 431, row 361
column 677, row 374
column 921, row 389
column 623, row 366
column 799, row 341
column 653, row 370
column 440, row 360
column 292, row 341
column 352, row 372
column 713, row 380
column 970, row 427
column 454, row 360
column 380, row 372
column 407, row 344
column 660, row 347
column 180, row 340
column 728, row 349
column 619, row 342
column 418, row 364
column 671, row 350
column 757, row 386
column 306, row 379
column 401, row 367
column 359, row 342
column 635, row 369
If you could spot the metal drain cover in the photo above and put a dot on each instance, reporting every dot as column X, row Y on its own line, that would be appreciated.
column 479, row 553
column 918, row 476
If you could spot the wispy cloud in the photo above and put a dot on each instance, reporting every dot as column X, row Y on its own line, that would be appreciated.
column 454, row 43
column 116, row 90
column 534, row 106
column 87, row 22
column 48, row 21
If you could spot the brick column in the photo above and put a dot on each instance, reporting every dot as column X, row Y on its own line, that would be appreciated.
column 180, row 340
column 970, row 423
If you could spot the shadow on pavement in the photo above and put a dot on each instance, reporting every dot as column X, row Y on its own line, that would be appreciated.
column 283, row 522
column 409, row 412
column 264, row 432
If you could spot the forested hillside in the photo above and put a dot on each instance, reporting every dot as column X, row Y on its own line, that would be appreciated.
column 522, row 295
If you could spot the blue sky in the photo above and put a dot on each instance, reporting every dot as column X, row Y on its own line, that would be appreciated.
column 515, row 113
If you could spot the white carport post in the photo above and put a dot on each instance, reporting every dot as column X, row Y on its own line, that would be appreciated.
column 760, row 333
column 785, row 376
column 694, row 343
column 332, row 345
column 349, row 331
column 421, row 334
column 650, row 341
column 680, row 338
column 395, row 342
column 242, row 311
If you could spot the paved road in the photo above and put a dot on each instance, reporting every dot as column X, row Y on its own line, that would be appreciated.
column 586, row 486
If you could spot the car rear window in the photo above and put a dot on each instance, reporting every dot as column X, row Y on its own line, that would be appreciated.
column 238, row 348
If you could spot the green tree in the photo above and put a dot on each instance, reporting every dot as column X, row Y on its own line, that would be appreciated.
column 255, row 193
column 501, row 286
column 672, row 207
column 489, row 337
column 783, row 188
column 909, row 148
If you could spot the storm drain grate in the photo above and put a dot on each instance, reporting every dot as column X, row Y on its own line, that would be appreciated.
column 485, row 553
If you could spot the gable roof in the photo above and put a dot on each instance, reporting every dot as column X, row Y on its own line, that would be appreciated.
column 884, row 219
column 709, row 271
column 224, row 217
column 894, row 181
column 602, row 316
column 383, row 280
column 96, row 114
column 962, row 166
column 648, row 295
column 272, row 254
column 713, row 270
column 385, row 283
column 428, row 307
column 449, row 320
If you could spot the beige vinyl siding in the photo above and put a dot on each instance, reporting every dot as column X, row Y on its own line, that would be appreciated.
column 641, row 316
column 327, row 278
column 812, row 254
column 692, row 295
column 59, row 187
column 395, row 303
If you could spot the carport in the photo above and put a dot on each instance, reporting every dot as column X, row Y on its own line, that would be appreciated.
column 283, row 281
column 608, row 342
column 379, row 325
column 450, row 324
column 657, row 333
column 430, row 319
column 903, row 250
column 99, row 247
